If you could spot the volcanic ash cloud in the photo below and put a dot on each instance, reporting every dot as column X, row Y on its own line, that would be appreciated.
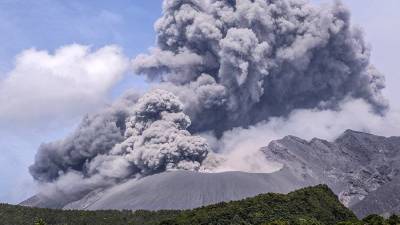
column 235, row 63
column 104, row 150
column 225, row 65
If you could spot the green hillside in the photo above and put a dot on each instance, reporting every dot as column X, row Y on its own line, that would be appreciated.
column 308, row 206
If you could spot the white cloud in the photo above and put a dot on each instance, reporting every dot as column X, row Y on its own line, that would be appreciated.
column 240, row 146
column 45, row 87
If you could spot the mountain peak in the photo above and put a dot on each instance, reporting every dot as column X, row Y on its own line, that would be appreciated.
column 292, row 138
column 354, row 133
column 367, row 140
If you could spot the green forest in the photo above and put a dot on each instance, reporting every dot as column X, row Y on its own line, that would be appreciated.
column 309, row 206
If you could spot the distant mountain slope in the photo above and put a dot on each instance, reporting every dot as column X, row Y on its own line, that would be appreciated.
column 42, row 201
column 187, row 190
column 180, row 190
column 316, row 204
column 385, row 200
column 353, row 166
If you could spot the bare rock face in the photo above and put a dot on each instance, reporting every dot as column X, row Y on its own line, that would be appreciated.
column 385, row 200
column 355, row 165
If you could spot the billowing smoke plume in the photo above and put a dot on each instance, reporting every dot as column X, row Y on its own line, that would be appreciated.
column 96, row 135
column 235, row 63
column 226, row 65
column 119, row 143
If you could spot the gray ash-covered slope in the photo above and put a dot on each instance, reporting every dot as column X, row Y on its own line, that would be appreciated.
column 354, row 165
column 385, row 200
column 188, row 189
column 41, row 202
column 181, row 190
column 361, row 168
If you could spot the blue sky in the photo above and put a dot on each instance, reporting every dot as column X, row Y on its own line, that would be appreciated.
column 50, row 24
column 47, row 24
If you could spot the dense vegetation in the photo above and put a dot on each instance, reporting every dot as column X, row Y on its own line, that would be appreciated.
column 309, row 206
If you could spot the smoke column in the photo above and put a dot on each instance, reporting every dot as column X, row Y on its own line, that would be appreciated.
column 235, row 63
column 219, row 67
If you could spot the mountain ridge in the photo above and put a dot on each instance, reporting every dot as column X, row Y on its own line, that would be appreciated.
column 353, row 165
column 311, row 205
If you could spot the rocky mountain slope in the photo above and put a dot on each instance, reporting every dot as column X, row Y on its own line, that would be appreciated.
column 385, row 200
column 354, row 165
column 361, row 168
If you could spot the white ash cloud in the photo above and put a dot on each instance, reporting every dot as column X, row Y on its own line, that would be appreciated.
column 239, row 147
